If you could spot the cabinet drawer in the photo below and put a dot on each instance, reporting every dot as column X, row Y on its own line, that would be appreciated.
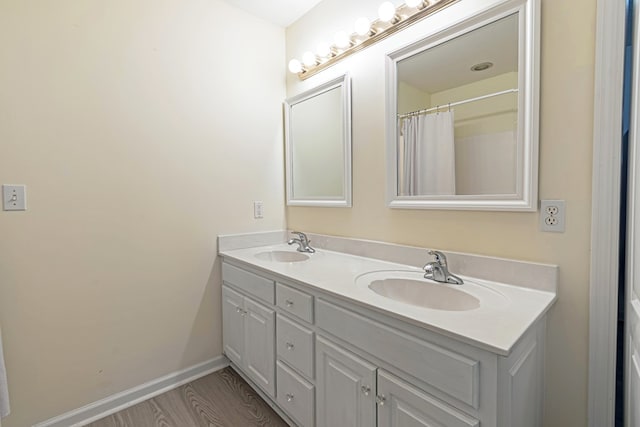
column 295, row 395
column 295, row 302
column 295, row 345
column 452, row 373
column 251, row 283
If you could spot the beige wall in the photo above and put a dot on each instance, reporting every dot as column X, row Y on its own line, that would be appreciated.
column 411, row 98
column 142, row 129
column 568, row 29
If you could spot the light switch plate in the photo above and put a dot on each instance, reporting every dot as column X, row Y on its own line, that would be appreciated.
column 258, row 209
column 14, row 197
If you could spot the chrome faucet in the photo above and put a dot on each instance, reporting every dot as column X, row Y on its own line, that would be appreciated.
column 302, row 241
column 438, row 271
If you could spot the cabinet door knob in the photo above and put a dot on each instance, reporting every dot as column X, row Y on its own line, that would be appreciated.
column 289, row 397
column 289, row 303
column 380, row 399
column 290, row 346
column 238, row 310
column 365, row 390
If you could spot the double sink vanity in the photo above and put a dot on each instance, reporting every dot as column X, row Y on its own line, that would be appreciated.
column 354, row 335
column 348, row 332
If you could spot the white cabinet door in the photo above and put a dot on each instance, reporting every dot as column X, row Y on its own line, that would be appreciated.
column 259, row 345
column 233, row 325
column 402, row 405
column 346, row 388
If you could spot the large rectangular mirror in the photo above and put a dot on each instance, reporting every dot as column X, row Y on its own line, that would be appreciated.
column 318, row 145
column 462, row 114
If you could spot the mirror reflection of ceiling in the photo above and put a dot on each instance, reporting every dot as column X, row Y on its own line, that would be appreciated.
column 496, row 43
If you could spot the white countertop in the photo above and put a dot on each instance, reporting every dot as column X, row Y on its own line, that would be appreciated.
column 506, row 312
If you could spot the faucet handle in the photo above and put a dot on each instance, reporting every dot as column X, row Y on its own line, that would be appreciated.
column 440, row 257
column 301, row 235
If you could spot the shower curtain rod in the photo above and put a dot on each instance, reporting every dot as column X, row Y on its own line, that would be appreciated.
column 453, row 104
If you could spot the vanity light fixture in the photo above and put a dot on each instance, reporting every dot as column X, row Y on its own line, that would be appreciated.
column 363, row 26
column 387, row 13
column 295, row 66
column 415, row 3
column 391, row 20
column 342, row 40
column 323, row 50
column 309, row 59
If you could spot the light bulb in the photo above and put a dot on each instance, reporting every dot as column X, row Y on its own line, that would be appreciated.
column 413, row 3
column 323, row 50
column 309, row 59
column 295, row 66
column 362, row 26
column 386, row 11
column 342, row 39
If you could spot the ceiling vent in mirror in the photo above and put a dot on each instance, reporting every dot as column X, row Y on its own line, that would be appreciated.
column 482, row 66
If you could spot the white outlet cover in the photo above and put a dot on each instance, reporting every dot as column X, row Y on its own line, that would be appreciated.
column 549, row 221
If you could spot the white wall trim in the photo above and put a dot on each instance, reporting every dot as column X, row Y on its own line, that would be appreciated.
column 605, row 219
column 119, row 401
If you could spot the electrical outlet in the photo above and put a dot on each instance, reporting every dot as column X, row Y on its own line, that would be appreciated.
column 258, row 209
column 552, row 215
column 14, row 197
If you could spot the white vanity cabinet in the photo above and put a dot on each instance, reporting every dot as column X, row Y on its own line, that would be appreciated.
column 400, row 404
column 339, row 363
column 354, row 392
column 346, row 387
column 295, row 372
column 248, row 330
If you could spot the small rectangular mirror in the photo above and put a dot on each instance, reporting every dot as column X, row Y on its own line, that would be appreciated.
column 318, row 145
column 462, row 115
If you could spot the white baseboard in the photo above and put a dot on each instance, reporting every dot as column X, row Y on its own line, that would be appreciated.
column 119, row 401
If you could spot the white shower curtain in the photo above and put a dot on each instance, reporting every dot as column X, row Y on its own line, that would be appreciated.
column 428, row 164
column 4, row 392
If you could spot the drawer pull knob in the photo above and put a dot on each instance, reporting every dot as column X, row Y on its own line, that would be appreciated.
column 380, row 399
column 290, row 346
column 365, row 390
column 289, row 303
column 238, row 310
column 289, row 397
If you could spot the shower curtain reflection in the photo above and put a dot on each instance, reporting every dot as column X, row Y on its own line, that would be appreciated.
column 427, row 155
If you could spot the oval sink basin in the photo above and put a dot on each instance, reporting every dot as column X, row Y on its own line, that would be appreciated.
column 425, row 293
column 410, row 287
column 282, row 256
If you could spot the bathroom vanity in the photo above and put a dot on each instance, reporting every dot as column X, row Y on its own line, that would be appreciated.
column 322, row 346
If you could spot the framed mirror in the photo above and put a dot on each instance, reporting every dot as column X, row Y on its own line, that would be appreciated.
column 318, row 145
column 462, row 114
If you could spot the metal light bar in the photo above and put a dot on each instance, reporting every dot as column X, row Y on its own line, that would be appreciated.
column 405, row 16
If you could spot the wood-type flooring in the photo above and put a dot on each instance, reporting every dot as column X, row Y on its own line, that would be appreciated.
column 222, row 399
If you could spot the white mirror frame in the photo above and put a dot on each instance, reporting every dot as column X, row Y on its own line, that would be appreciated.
column 526, row 196
column 345, row 82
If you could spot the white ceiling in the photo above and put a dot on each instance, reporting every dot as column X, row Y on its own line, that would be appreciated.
column 279, row 12
column 449, row 65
